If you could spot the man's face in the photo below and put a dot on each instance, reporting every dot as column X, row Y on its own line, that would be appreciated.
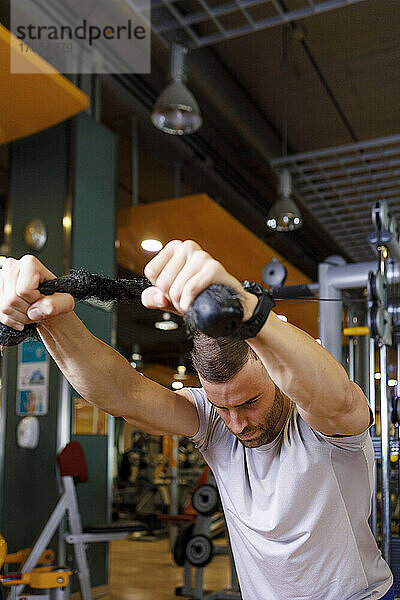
column 250, row 404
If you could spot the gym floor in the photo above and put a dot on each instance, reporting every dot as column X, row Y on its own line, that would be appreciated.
column 145, row 570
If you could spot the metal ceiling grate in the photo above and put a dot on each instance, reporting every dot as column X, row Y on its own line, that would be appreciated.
column 339, row 186
column 198, row 23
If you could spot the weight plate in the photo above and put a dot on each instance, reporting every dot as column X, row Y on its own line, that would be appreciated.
column 180, row 544
column 376, row 321
column 371, row 286
column 199, row 550
column 380, row 287
column 372, row 320
column 205, row 499
column 377, row 287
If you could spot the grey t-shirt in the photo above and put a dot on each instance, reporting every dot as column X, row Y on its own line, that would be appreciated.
column 297, row 510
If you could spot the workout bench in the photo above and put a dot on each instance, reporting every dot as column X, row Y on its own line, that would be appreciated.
column 73, row 470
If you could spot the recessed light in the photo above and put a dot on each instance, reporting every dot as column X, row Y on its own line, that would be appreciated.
column 151, row 245
column 167, row 324
column 177, row 385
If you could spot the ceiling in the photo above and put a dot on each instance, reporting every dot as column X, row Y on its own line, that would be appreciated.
column 355, row 47
column 342, row 183
column 357, row 51
column 205, row 22
column 342, row 88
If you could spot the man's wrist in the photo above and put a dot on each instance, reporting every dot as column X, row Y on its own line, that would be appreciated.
column 57, row 324
column 252, row 325
column 249, row 303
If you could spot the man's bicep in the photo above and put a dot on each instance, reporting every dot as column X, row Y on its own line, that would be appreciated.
column 160, row 411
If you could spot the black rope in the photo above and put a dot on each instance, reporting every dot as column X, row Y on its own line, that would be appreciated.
column 217, row 311
column 82, row 285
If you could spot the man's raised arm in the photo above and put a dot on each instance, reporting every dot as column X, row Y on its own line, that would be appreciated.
column 98, row 372
column 299, row 366
column 308, row 374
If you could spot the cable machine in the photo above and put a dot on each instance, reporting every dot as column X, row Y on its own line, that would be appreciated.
column 369, row 360
column 378, row 278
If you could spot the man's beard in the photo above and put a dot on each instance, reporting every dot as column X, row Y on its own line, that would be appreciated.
column 264, row 432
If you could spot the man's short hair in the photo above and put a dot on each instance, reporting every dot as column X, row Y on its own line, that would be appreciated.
column 218, row 360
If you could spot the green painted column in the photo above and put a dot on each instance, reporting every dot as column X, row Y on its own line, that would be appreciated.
column 93, row 247
column 68, row 170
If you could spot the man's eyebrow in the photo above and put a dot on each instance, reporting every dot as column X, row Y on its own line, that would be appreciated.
column 239, row 405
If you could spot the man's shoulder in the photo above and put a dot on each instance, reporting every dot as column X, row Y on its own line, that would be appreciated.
column 212, row 429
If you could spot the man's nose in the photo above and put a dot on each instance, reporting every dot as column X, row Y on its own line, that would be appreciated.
column 237, row 423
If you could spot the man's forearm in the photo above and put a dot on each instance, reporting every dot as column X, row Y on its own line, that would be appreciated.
column 97, row 371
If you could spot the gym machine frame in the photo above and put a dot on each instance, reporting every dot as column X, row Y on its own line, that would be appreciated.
column 335, row 276
column 333, row 279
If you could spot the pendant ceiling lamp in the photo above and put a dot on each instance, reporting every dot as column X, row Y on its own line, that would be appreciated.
column 285, row 214
column 176, row 111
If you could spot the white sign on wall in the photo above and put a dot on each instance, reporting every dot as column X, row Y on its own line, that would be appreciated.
column 32, row 379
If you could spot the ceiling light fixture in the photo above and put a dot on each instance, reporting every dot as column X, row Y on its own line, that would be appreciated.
column 151, row 245
column 177, row 385
column 136, row 356
column 167, row 324
column 181, row 372
column 176, row 111
column 285, row 214
column 67, row 222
